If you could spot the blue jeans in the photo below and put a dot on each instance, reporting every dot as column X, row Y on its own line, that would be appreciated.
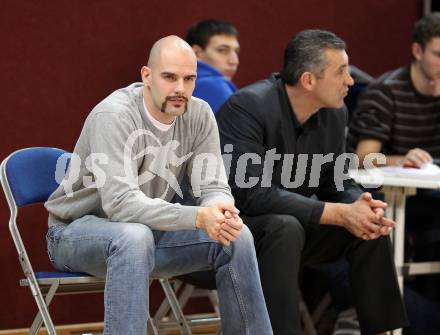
column 127, row 254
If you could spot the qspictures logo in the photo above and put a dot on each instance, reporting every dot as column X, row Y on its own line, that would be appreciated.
column 208, row 168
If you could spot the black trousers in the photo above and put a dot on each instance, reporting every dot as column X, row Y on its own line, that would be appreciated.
column 283, row 245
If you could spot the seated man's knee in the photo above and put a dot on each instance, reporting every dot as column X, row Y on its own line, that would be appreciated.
column 241, row 248
column 245, row 238
column 286, row 229
column 135, row 240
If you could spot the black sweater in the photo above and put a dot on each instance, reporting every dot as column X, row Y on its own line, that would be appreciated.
column 259, row 118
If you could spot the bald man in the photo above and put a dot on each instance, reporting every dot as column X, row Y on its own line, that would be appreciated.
column 111, row 216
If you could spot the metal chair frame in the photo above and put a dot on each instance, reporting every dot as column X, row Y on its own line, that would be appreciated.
column 45, row 285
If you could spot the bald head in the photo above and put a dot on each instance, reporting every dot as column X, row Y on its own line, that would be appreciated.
column 170, row 46
column 169, row 78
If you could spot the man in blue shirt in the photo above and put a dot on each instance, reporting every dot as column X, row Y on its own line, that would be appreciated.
column 216, row 46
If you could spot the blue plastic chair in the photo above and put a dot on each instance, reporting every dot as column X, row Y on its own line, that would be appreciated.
column 28, row 177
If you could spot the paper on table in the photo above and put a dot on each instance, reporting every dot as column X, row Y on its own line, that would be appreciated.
column 428, row 171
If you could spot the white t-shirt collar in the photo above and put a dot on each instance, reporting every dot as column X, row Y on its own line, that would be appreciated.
column 159, row 125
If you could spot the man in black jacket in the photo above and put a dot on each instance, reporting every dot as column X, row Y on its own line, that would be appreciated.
column 284, row 138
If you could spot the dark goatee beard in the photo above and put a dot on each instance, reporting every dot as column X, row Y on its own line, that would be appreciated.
column 168, row 98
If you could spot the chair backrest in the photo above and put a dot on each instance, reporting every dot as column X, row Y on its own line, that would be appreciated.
column 28, row 175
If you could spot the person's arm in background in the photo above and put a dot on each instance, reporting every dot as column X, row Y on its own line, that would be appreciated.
column 416, row 156
column 372, row 126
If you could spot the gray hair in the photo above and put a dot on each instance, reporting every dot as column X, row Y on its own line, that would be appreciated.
column 305, row 53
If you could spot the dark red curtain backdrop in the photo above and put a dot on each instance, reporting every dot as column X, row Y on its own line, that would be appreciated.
column 59, row 58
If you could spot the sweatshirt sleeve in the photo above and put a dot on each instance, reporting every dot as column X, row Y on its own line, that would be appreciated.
column 206, row 169
column 122, row 200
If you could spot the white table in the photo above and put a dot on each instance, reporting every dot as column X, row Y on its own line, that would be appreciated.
column 396, row 188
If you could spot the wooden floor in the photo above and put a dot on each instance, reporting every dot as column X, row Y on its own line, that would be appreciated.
column 96, row 328
column 84, row 328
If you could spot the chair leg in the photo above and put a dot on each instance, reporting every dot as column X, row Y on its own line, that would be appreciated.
column 151, row 328
column 164, row 307
column 213, row 298
column 323, row 305
column 186, row 294
column 309, row 327
column 43, row 308
column 174, row 303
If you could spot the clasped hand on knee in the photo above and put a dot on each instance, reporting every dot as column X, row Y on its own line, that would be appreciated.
column 364, row 218
column 220, row 222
